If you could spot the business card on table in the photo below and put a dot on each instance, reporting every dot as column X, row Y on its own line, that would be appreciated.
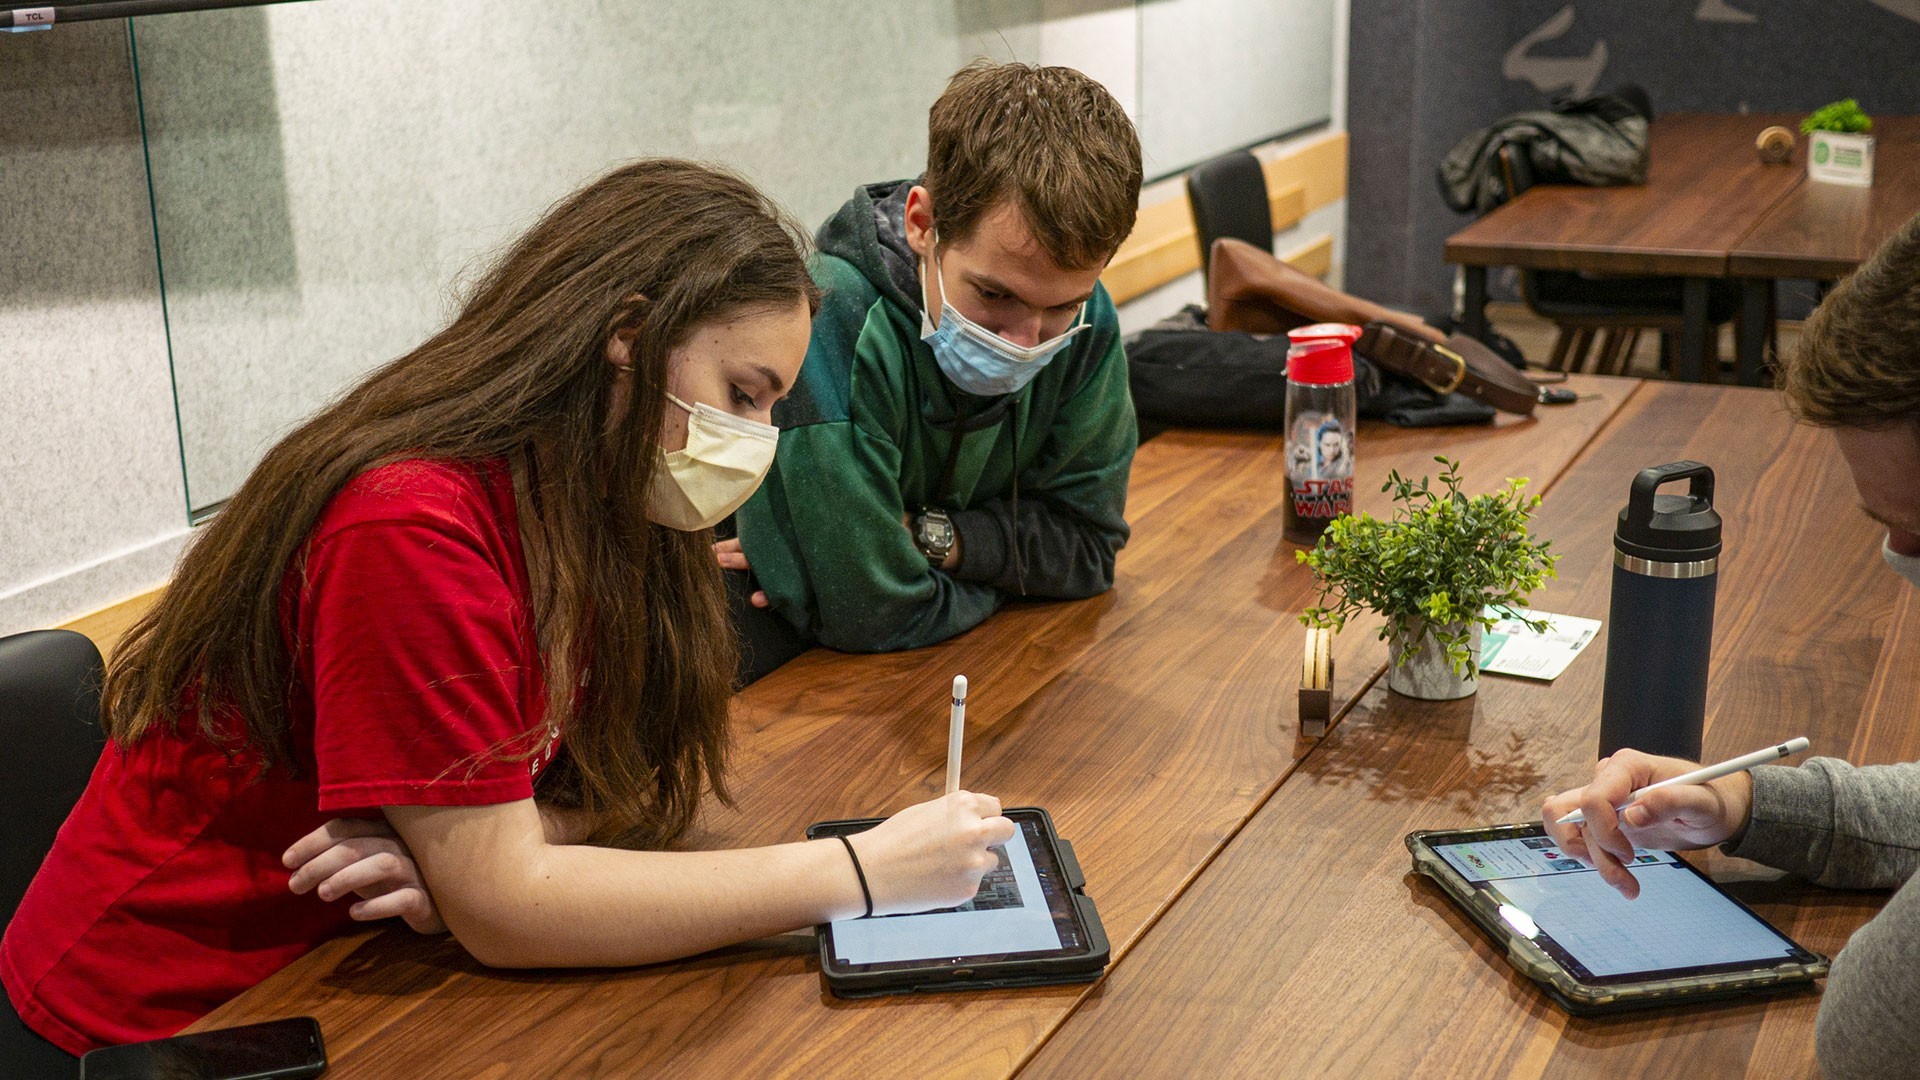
column 1511, row 647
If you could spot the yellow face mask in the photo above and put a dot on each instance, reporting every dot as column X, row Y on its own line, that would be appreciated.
column 725, row 459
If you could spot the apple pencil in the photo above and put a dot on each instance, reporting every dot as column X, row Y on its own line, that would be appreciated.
column 956, row 732
column 1711, row 772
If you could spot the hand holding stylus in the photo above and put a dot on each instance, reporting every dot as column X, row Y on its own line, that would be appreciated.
column 1668, row 817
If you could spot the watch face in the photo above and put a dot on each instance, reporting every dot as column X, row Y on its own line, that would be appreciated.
column 936, row 533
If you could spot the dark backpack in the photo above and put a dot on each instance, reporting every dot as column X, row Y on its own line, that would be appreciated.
column 1183, row 374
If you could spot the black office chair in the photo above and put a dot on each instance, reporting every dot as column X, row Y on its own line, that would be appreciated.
column 50, row 722
column 1229, row 198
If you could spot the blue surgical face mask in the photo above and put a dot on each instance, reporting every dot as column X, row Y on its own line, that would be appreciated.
column 980, row 361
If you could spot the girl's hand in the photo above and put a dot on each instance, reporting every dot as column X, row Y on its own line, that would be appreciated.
column 934, row 854
column 368, row 859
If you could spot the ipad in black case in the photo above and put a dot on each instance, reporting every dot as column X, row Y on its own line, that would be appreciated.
column 1031, row 924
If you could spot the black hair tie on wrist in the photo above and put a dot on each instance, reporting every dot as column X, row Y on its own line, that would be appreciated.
column 859, row 873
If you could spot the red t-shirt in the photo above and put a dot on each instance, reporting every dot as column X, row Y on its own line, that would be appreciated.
column 164, row 895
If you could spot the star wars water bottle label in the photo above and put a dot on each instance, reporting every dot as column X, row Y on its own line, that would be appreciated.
column 1320, row 466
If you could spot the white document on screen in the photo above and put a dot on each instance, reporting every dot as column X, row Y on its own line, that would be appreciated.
column 1008, row 915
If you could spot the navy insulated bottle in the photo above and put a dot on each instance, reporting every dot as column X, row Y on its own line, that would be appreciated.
column 1666, row 563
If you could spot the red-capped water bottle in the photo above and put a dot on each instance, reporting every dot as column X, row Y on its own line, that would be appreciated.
column 1320, row 423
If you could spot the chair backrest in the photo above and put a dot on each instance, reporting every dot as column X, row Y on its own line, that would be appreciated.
column 1516, row 171
column 1635, row 95
column 1516, row 168
column 50, row 725
column 1229, row 198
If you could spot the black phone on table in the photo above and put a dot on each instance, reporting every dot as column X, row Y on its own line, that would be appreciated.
column 276, row 1050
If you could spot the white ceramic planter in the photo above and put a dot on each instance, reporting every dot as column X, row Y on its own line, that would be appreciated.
column 1837, row 158
column 1428, row 674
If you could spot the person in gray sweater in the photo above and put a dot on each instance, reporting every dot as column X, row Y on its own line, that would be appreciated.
column 1827, row 821
column 1857, row 372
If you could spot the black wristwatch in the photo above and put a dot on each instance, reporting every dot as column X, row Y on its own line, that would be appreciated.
column 933, row 535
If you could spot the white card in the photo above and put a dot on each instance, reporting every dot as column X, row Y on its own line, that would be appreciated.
column 1511, row 647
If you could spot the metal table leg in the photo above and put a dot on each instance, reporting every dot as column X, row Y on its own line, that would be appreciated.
column 1475, row 315
column 1693, row 329
column 1755, row 299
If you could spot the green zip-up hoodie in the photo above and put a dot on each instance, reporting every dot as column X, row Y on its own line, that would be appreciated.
column 1038, row 489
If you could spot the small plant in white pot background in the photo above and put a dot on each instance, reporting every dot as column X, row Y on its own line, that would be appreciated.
column 1839, row 146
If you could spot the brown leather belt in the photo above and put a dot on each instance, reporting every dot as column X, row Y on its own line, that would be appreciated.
column 1248, row 289
column 1461, row 365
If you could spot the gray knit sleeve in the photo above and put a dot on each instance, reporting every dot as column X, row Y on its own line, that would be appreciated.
column 1853, row 827
column 1866, row 1027
column 1836, row 824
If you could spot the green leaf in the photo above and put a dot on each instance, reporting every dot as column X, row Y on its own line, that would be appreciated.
column 1434, row 567
column 1843, row 116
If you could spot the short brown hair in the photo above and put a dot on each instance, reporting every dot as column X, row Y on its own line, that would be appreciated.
column 1049, row 138
column 1858, row 362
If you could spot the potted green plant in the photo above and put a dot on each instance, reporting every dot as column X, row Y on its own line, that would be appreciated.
column 1443, row 568
column 1839, row 150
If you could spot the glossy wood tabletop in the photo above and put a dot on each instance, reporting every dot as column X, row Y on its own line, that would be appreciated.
column 1822, row 231
column 1151, row 721
column 1308, row 949
column 1705, row 190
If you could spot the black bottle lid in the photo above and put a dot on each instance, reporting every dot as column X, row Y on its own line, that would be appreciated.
column 1670, row 528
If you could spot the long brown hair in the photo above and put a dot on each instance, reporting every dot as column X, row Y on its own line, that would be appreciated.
column 657, row 247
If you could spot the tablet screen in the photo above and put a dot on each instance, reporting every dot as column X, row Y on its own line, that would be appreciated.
column 1023, row 911
column 1681, row 924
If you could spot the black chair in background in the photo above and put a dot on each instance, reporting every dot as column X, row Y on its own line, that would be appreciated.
column 1229, row 199
column 1614, row 309
column 50, row 721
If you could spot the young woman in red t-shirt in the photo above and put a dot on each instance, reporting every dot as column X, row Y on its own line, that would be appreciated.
column 472, row 608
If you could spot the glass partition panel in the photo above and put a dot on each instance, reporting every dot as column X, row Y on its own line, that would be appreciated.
column 325, row 174
column 1216, row 75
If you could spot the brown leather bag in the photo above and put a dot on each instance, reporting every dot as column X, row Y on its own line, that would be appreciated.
column 1250, row 290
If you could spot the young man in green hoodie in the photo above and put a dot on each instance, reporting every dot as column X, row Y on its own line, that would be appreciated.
column 961, row 431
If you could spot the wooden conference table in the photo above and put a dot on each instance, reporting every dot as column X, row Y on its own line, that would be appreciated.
column 1708, row 211
column 1253, row 883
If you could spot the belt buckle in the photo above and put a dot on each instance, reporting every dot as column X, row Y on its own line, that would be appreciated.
column 1459, row 371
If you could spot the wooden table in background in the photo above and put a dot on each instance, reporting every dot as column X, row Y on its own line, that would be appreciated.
column 1820, row 232
column 1709, row 210
column 1706, row 189
column 1157, row 724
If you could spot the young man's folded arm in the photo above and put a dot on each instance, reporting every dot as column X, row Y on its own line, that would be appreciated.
column 1072, row 506
column 830, row 550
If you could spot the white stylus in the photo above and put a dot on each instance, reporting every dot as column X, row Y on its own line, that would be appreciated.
column 1711, row 772
column 956, row 732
